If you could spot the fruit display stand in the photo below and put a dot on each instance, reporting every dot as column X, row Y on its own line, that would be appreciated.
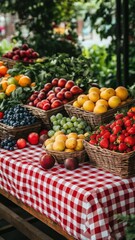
column 96, row 119
column 8, row 62
column 121, row 164
column 74, row 203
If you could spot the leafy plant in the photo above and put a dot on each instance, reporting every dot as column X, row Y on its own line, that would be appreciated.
column 130, row 229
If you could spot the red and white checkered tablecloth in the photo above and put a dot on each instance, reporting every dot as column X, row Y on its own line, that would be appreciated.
column 85, row 202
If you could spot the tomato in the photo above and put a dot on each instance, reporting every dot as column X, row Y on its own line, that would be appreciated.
column 129, row 140
column 113, row 138
column 104, row 143
column 122, row 147
column 116, row 129
column 43, row 131
column 119, row 116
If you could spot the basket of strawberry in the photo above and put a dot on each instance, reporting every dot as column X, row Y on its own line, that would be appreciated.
column 112, row 146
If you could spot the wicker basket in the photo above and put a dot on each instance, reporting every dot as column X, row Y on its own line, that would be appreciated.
column 121, row 164
column 10, row 62
column 18, row 132
column 93, row 119
column 44, row 116
column 61, row 156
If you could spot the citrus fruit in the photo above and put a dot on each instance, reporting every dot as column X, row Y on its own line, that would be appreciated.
column 121, row 92
column 24, row 81
column 79, row 145
column 94, row 89
column 102, row 89
column 3, row 70
column 17, row 77
column 94, row 96
column 71, row 143
column 48, row 141
column 61, row 137
column 69, row 150
column 102, row 101
column 82, row 98
column 4, row 85
column 114, row 102
column 10, row 88
column 72, row 135
column 59, row 145
column 76, row 104
column 106, row 94
column 100, row 108
column 88, row 106
column 1, row 63
column 57, row 133
column 49, row 146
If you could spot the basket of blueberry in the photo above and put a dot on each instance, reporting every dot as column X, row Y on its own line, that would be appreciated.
column 18, row 122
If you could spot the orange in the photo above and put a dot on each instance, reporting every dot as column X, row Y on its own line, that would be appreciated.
column 48, row 141
column 59, row 145
column 100, row 108
column 33, row 84
column 102, row 101
column 106, row 94
column 88, row 106
column 10, row 88
column 114, row 102
column 72, row 135
column 121, row 92
column 4, row 85
column 1, row 63
column 82, row 98
column 3, row 70
column 69, row 150
column 71, row 143
column 79, row 145
column 61, row 137
column 17, row 77
column 76, row 104
column 102, row 89
column 24, row 81
column 94, row 89
column 94, row 96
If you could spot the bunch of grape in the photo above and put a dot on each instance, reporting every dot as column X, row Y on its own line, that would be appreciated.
column 68, row 125
column 8, row 143
column 18, row 116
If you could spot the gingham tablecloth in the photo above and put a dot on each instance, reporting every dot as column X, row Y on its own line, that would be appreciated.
column 85, row 202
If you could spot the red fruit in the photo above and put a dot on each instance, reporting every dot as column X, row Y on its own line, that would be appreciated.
column 93, row 141
column 71, row 163
column 64, row 101
column 1, row 115
column 48, row 87
column 42, row 138
column 35, row 55
column 33, row 97
column 50, row 92
column 56, row 103
column 57, row 89
column 76, row 90
column 63, row 90
column 119, row 116
column 46, row 106
column 68, row 95
column 25, row 46
column 69, row 84
column 40, row 105
column 21, row 143
column 60, row 95
column 130, row 141
column 36, row 101
column 130, row 114
column 121, row 138
column 122, row 147
column 128, row 123
column 131, row 130
column 117, row 129
column 31, row 104
column 44, row 131
column 45, row 101
column 22, row 53
column 53, row 99
column 119, row 122
column 47, row 161
column 104, row 143
column 51, row 96
column 106, row 135
column 93, row 136
column 113, row 138
column 62, row 82
column 55, row 82
column 16, row 57
column 33, row 138
column 41, row 95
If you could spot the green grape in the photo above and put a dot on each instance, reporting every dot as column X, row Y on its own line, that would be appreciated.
column 73, row 129
column 65, row 126
column 69, row 131
column 50, row 133
column 63, row 130
column 73, row 119
column 68, row 119
column 79, row 120
column 59, row 116
column 75, row 124
column 80, row 131
column 53, row 118
column 56, row 128
column 62, row 122
column 80, row 126
column 69, row 124
column 55, row 123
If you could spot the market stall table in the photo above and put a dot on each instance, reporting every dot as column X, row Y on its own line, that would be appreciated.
column 85, row 202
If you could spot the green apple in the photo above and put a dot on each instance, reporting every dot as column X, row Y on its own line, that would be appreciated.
column 2, row 95
column 12, row 80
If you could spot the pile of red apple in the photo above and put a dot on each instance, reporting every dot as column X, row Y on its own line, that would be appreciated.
column 22, row 53
column 54, row 94
column 119, row 135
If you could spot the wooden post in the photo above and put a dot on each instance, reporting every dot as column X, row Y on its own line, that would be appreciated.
column 125, row 43
column 118, row 41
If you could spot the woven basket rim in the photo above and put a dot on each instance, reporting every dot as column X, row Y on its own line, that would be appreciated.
column 19, row 127
column 108, row 150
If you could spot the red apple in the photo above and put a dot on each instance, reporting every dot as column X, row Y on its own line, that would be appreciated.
column 55, row 82
column 47, row 161
column 53, row 99
column 43, row 131
column 62, row 82
column 76, row 90
column 41, row 95
column 69, row 84
column 33, row 97
column 21, row 143
column 36, row 101
column 60, row 95
column 48, row 87
column 46, row 106
column 22, row 53
column 71, row 163
column 65, row 101
column 56, row 103
column 40, row 105
column 52, row 95
column 45, row 101
column 68, row 95
column 42, row 138
column 57, row 89
column 63, row 90
column 33, row 138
